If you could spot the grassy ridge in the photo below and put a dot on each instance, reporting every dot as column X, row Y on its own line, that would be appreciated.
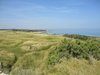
column 35, row 53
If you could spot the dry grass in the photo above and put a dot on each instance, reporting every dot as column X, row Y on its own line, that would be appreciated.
column 76, row 67
column 32, row 49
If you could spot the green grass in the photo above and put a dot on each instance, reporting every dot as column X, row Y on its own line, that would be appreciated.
column 31, row 53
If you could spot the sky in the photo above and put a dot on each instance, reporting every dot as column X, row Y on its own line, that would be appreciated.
column 49, row 14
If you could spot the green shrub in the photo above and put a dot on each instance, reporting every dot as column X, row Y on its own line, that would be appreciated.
column 75, row 48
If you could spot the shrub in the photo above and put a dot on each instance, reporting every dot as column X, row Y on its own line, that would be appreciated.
column 75, row 48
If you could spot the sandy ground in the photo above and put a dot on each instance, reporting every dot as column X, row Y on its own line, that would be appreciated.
column 3, row 74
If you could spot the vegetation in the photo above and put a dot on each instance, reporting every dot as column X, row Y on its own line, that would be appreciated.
column 81, row 37
column 35, row 53
column 75, row 48
column 6, row 61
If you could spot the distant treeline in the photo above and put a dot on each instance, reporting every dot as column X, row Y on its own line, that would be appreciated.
column 81, row 37
column 28, row 30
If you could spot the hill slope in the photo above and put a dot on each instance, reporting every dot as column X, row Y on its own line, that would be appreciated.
column 30, row 53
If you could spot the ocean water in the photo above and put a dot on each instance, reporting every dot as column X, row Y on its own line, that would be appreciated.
column 94, row 32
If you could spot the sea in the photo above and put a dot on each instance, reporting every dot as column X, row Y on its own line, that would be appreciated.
column 90, row 32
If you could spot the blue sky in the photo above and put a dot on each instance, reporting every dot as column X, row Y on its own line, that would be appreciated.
column 50, row 14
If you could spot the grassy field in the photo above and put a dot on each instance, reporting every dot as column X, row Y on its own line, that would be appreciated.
column 36, row 53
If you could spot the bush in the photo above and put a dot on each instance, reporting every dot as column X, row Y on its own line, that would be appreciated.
column 75, row 48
